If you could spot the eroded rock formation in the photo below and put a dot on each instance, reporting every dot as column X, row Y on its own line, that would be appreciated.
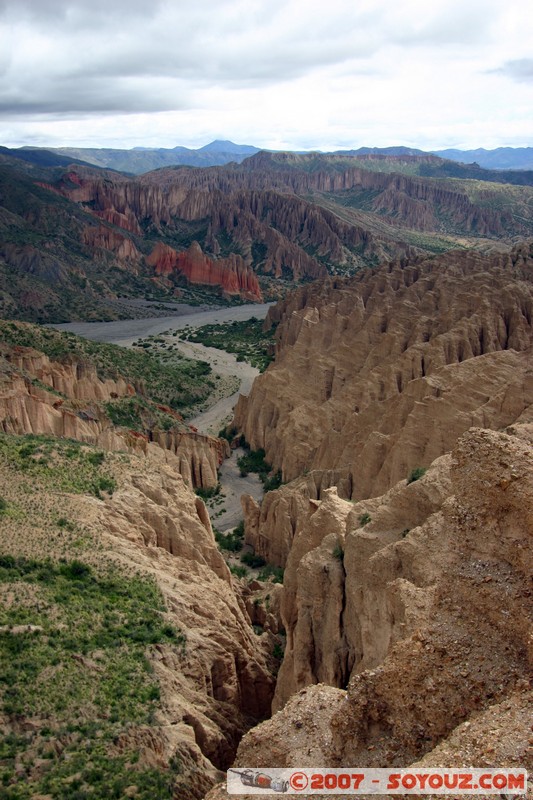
column 405, row 601
column 222, row 682
column 71, row 408
column 380, row 374
column 232, row 274
column 422, row 617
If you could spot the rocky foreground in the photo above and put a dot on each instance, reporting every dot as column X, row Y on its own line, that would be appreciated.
column 400, row 411
column 400, row 408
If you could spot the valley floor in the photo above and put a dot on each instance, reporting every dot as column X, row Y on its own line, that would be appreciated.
column 226, row 513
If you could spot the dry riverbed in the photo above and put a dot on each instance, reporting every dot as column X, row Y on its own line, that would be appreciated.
column 236, row 377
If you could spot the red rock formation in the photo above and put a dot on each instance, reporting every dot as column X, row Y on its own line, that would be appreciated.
column 126, row 221
column 107, row 239
column 230, row 273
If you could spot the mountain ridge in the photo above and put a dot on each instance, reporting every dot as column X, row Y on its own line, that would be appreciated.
column 138, row 160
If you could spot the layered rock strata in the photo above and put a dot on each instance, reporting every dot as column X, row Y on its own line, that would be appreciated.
column 232, row 274
column 422, row 617
column 70, row 408
column 380, row 374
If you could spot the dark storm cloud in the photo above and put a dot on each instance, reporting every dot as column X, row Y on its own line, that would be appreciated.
column 134, row 56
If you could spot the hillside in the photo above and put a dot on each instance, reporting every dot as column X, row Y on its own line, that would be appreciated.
column 58, row 384
column 78, row 243
column 145, row 159
column 118, row 680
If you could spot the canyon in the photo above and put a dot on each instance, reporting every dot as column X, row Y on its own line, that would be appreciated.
column 399, row 414
column 405, row 437
column 39, row 395
column 409, row 634
column 239, row 231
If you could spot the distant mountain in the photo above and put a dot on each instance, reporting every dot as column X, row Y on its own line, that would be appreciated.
column 227, row 147
column 139, row 160
column 143, row 159
column 500, row 158
column 40, row 157
column 385, row 151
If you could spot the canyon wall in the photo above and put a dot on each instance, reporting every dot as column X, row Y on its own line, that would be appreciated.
column 70, row 408
column 418, row 620
column 222, row 682
column 380, row 374
column 232, row 274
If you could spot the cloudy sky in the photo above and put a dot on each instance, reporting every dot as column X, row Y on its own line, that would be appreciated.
column 296, row 74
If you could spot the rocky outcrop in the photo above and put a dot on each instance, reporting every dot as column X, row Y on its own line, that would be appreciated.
column 71, row 408
column 221, row 683
column 428, row 607
column 230, row 273
column 272, row 526
column 380, row 374
column 108, row 240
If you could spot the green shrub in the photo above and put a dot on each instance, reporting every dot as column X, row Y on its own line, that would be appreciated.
column 270, row 571
column 415, row 474
column 238, row 570
column 231, row 541
column 338, row 552
column 277, row 652
column 3, row 505
column 274, row 482
column 206, row 494
column 252, row 560
column 364, row 519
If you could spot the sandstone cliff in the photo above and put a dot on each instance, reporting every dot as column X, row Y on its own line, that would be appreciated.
column 222, row 683
column 421, row 616
column 380, row 374
column 232, row 274
column 42, row 396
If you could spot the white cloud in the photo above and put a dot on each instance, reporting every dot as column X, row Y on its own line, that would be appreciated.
column 295, row 73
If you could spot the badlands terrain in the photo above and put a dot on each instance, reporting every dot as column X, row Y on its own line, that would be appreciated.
column 374, row 607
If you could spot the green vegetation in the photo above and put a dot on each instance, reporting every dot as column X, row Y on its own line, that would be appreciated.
column 73, row 655
column 238, row 570
column 278, row 651
column 415, row 474
column 178, row 383
column 246, row 339
column 252, row 560
column 233, row 542
column 365, row 518
column 270, row 572
column 254, row 461
column 64, row 464
column 207, row 494
column 338, row 552
column 139, row 414
column 3, row 505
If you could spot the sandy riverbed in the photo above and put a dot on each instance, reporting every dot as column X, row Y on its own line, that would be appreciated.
column 125, row 332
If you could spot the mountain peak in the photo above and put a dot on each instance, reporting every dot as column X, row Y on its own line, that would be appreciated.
column 226, row 146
